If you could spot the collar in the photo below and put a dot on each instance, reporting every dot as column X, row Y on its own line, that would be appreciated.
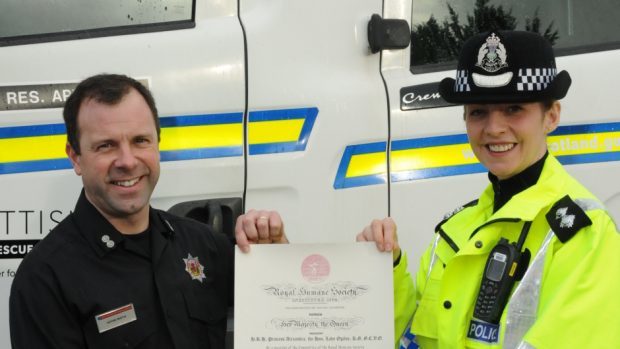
column 101, row 234
column 523, row 206
column 527, row 203
column 162, row 233
column 505, row 189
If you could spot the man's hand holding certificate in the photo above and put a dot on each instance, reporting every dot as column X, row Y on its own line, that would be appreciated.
column 314, row 296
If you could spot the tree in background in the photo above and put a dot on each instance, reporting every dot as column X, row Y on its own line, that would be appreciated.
column 437, row 43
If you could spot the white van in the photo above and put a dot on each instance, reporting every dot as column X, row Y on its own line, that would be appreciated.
column 284, row 105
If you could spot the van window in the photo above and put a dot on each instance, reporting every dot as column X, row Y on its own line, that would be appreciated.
column 438, row 28
column 27, row 21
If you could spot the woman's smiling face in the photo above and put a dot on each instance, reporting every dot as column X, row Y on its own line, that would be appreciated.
column 508, row 138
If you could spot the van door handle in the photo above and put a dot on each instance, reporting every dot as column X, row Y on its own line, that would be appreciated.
column 220, row 214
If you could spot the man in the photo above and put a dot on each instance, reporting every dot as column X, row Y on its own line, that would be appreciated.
column 117, row 273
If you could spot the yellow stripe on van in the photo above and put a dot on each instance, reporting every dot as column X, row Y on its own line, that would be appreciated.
column 209, row 136
column 419, row 158
column 367, row 164
column 32, row 148
column 172, row 138
column 587, row 143
column 275, row 131
column 412, row 159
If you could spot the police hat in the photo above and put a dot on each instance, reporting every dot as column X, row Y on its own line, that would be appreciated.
column 505, row 67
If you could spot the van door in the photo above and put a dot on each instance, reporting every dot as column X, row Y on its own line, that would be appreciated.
column 191, row 55
column 432, row 167
column 314, row 92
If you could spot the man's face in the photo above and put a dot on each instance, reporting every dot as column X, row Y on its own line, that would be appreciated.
column 119, row 160
column 508, row 138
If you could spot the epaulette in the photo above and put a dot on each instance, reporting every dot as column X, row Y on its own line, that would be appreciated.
column 566, row 218
column 449, row 215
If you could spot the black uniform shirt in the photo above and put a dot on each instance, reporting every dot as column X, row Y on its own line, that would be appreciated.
column 85, row 268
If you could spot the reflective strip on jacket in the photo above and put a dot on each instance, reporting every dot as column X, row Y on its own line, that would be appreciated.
column 579, row 300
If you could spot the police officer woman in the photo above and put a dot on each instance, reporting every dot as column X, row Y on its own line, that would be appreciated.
column 534, row 261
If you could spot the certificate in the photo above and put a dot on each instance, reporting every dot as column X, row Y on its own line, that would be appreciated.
column 314, row 296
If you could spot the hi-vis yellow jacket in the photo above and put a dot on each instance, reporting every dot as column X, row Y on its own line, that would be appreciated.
column 568, row 298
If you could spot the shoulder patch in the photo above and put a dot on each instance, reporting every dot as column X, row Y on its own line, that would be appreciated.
column 455, row 211
column 566, row 218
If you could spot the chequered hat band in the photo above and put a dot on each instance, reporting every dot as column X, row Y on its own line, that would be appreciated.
column 535, row 79
column 461, row 84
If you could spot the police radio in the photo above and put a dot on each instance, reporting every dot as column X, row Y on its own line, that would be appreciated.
column 505, row 265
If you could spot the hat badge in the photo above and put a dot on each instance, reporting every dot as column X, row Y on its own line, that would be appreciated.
column 492, row 54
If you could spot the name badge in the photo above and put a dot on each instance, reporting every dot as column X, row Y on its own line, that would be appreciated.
column 483, row 331
column 116, row 317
